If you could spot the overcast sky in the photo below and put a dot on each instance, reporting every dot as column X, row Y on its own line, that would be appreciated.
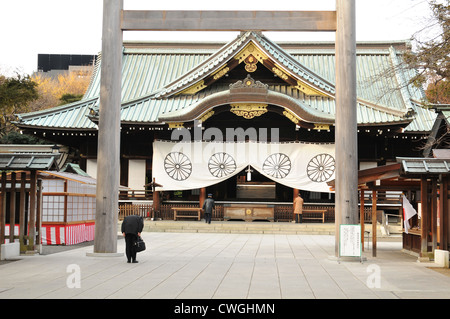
column 30, row 27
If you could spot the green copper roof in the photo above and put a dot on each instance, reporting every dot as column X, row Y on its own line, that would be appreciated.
column 153, row 78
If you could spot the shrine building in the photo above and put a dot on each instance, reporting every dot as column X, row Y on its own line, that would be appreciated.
column 247, row 121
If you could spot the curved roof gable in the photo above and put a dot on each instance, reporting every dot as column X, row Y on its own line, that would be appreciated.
column 249, row 93
column 250, row 48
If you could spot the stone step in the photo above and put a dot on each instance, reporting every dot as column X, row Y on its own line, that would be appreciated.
column 395, row 229
column 255, row 227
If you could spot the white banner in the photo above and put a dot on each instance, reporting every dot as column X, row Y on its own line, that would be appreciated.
column 191, row 165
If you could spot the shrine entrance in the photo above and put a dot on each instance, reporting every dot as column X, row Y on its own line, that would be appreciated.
column 116, row 20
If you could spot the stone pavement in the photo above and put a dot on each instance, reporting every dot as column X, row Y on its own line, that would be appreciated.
column 224, row 266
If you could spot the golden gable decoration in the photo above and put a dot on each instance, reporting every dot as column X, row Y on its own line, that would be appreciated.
column 248, row 110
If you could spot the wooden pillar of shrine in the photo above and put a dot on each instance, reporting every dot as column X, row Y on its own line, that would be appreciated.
column 32, row 212
column 434, row 213
column 12, row 207
column 39, row 211
column 361, row 217
column 156, row 203
column 424, row 220
column 444, row 213
column 202, row 198
column 22, row 201
column 374, row 223
column 3, row 209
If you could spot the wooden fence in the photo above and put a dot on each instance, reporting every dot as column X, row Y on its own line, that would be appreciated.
column 144, row 210
column 21, row 206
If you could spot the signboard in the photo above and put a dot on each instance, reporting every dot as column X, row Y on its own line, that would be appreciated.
column 350, row 241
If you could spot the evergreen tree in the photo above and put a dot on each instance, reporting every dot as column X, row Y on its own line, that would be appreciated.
column 15, row 95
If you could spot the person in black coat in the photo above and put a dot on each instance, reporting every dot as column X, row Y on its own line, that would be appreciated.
column 208, row 207
column 131, row 228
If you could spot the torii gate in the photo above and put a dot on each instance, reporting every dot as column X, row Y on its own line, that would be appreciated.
column 116, row 20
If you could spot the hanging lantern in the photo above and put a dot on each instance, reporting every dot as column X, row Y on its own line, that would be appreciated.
column 249, row 174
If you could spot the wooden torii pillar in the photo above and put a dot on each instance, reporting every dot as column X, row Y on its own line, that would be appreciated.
column 346, row 202
column 116, row 20
column 108, row 158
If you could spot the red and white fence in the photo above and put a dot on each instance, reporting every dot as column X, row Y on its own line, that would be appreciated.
column 55, row 234
column 67, row 234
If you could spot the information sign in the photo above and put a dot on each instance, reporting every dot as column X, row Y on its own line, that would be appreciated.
column 350, row 241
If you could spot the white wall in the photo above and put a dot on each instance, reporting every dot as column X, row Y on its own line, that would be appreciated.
column 136, row 174
column 367, row 165
column 91, row 167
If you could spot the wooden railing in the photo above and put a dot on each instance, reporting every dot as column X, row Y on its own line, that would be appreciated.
column 282, row 212
column 144, row 210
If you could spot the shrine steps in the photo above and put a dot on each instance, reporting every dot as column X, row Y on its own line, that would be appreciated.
column 239, row 227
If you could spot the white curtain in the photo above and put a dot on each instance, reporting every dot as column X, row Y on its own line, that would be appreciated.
column 190, row 165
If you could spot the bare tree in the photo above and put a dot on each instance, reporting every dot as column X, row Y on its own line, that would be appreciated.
column 431, row 58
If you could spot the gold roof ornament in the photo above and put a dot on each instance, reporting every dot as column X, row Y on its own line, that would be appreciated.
column 248, row 110
column 176, row 125
column 250, row 64
column 291, row 116
column 206, row 116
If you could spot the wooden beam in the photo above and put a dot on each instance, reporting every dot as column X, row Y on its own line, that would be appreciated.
column 372, row 178
column 189, row 20
column 379, row 173
column 394, row 185
column 400, row 188
column 407, row 184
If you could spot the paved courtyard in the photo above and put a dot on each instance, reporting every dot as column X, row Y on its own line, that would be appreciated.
column 224, row 266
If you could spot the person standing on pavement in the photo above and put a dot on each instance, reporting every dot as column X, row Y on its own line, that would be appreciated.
column 298, row 209
column 131, row 229
column 208, row 207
